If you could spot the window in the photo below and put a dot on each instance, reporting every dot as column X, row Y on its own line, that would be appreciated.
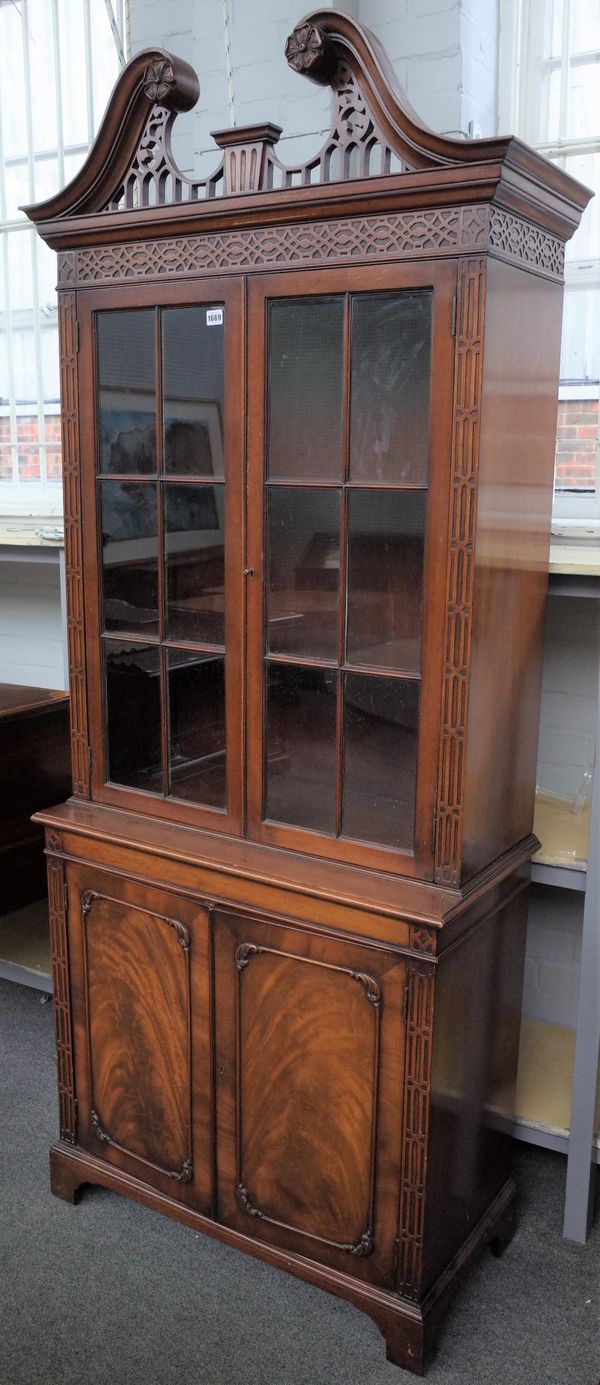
column 49, row 112
column 550, row 79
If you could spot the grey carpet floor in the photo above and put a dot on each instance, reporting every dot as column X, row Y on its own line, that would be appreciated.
column 108, row 1293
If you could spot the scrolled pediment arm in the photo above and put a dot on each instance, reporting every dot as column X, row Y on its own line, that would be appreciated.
column 325, row 44
column 153, row 78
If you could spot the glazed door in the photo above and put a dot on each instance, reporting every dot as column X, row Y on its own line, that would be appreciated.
column 310, row 1064
column 349, row 420
column 162, row 452
column 139, row 972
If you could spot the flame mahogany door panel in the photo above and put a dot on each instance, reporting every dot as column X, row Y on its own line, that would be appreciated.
column 140, row 990
column 310, row 1064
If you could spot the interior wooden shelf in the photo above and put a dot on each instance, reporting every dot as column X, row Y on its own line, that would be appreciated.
column 563, row 833
column 25, row 946
column 544, row 1080
column 575, row 559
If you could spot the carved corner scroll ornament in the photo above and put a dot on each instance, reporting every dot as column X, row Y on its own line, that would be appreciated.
column 182, row 1175
column 243, row 953
column 372, row 990
column 361, row 1248
column 181, row 932
column 87, row 899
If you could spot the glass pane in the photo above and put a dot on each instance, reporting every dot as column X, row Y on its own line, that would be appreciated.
column 127, row 400
column 195, row 560
column 132, row 674
column 128, row 523
column 304, row 570
column 197, row 727
column 306, row 388
column 300, row 751
column 385, row 578
column 585, row 26
column 193, row 390
column 390, row 387
column 585, row 244
column 380, row 759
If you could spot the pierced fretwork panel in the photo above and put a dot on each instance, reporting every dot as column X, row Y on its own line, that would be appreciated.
column 153, row 178
column 356, row 147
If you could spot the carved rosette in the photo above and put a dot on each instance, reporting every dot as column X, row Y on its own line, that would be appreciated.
column 159, row 80
column 305, row 48
column 53, row 840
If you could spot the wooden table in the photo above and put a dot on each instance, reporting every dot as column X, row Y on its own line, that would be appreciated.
column 35, row 771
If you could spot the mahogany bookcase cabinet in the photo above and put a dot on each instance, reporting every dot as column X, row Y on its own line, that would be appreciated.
column 308, row 423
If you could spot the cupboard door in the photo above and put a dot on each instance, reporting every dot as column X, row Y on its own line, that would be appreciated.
column 310, row 1043
column 140, row 987
column 349, row 419
column 163, row 452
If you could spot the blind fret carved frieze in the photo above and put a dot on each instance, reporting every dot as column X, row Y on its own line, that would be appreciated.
column 410, row 235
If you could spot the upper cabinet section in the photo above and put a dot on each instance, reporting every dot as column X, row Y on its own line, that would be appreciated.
column 376, row 149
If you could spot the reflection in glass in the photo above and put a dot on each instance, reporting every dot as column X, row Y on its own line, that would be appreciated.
column 128, row 523
column 197, row 761
column 195, row 562
column 127, row 397
column 385, row 577
column 305, row 388
column 390, row 387
column 380, row 759
column 193, row 374
column 304, row 570
column 300, row 746
column 132, row 674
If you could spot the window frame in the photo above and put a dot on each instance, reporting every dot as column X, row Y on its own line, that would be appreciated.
column 521, row 102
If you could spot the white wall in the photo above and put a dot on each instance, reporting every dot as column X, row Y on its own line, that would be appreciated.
column 32, row 640
column 443, row 51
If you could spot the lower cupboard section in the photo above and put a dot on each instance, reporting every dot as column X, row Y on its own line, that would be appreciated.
column 252, row 1070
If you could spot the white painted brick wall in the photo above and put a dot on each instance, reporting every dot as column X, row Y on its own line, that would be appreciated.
column 443, row 53
column 568, row 711
column 553, row 955
column 31, row 633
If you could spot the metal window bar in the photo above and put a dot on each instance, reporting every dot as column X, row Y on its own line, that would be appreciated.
column 14, row 453
column 89, row 75
column 12, row 487
column 58, row 93
column 37, row 344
